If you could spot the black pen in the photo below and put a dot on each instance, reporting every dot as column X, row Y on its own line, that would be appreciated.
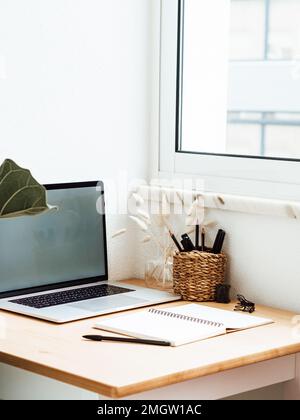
column 126, row 340
column 197, row 237
column 175, row 241
column 217, row 247
column 202, row 239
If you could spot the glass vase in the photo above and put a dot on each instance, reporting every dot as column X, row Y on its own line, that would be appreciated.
column 159, row 273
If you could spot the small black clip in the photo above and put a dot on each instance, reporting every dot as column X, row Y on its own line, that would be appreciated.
column 222, row 293
column 244, row 305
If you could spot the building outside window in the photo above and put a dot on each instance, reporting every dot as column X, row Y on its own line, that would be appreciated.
column 256, row 72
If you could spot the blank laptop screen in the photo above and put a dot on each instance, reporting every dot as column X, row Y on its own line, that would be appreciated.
column 59, row 246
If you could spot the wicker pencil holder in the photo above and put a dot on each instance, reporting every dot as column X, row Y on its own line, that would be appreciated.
column 197, row 274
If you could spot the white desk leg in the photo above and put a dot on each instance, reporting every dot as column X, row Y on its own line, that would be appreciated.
column 292, row 388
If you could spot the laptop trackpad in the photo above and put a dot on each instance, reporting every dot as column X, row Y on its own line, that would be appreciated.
column 109, row 302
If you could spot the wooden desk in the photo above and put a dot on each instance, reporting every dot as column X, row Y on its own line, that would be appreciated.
column 205, row 369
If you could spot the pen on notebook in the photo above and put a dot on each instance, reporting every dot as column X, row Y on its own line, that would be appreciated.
column 97, row 337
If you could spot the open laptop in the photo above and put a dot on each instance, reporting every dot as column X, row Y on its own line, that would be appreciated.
column 54, row 265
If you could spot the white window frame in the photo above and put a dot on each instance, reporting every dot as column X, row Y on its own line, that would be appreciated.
column 237, row 175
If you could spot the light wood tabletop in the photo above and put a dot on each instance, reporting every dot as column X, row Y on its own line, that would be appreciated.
column 121, row 369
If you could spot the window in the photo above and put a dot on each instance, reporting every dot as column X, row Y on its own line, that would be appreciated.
column 264, row 30
column 283, row 37
column 243, row 43
column 247, row 30
column 235, row 67
column 264, row 134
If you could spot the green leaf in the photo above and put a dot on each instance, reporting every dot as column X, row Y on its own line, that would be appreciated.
column 20, row 193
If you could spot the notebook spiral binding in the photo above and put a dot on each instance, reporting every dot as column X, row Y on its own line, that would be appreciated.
column 185, row 317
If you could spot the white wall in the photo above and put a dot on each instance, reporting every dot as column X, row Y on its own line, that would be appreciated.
column 75, row 94
column 263, row 257
column 264, row 265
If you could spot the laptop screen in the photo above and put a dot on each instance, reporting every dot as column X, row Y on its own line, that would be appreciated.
column 64, row 245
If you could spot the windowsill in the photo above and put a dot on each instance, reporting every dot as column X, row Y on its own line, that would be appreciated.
column 227, row 202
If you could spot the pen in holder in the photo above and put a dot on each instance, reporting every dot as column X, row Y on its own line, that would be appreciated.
column 197, row 274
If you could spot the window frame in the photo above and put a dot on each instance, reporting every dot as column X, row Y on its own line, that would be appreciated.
column 251, row 175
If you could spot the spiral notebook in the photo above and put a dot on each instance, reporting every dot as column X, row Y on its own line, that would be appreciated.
column 181, row 324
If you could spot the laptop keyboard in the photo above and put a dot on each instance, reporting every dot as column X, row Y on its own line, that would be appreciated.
column 72, row 295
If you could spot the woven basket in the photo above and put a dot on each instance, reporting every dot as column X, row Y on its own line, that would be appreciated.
column 197, row 274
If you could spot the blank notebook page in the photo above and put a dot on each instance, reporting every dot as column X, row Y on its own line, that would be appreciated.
column 180, row 324
column 156, row 324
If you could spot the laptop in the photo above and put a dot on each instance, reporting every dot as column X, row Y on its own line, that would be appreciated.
column 53, row 266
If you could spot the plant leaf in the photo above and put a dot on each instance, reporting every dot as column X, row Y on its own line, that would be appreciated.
column 20, row 193
column 147, row 238
column 140, row 223
column 143, row 215
column 118, row 233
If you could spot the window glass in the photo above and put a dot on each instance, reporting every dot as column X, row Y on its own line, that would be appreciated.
column 243, row 139
column 247, row 30
column 240, row 78
column 284, row 30
column 281, row 140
